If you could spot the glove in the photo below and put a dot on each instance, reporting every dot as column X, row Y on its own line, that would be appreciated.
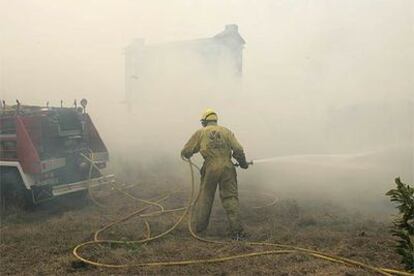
column 185, row 155
column 244, row 165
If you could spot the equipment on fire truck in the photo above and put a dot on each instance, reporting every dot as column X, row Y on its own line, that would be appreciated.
column 43, row 150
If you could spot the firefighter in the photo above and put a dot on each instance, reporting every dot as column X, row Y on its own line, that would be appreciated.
column 217, row 145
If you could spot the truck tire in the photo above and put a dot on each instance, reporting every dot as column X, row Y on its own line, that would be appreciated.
column 13, row 192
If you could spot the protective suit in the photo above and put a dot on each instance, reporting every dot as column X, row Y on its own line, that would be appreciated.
column 217, row 145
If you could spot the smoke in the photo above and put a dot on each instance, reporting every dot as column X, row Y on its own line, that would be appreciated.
column 319, row 77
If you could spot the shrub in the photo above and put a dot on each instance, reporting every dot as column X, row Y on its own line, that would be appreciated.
column 403, row 224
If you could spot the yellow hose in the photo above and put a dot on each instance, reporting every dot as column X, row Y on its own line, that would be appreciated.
column 284, row 249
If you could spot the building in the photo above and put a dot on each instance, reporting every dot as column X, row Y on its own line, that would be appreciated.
column 166, row 70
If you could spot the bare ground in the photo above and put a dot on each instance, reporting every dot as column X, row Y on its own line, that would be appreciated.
column 40, row 242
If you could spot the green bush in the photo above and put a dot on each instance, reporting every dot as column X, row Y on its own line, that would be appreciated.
column 403, row 224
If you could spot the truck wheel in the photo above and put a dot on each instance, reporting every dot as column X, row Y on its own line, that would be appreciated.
column 13, row 192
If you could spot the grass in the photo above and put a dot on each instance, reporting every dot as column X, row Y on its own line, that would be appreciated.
column 40, row 242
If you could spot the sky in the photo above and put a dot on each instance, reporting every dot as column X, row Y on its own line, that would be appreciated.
column 52, row 50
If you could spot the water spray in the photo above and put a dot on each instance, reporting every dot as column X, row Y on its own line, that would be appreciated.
column 309, row 156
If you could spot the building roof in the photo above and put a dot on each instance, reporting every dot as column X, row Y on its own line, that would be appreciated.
column 229, row 35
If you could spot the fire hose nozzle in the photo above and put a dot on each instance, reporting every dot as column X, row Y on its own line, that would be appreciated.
column 249, row 163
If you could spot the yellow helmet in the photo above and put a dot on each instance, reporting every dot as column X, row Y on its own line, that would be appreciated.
column 208, row 115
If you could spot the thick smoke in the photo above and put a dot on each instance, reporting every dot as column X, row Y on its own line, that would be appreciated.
column 329, row 82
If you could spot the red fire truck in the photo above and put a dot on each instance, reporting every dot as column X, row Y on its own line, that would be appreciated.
column 47, row 152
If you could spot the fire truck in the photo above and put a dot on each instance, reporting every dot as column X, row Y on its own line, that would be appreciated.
column 47, row 152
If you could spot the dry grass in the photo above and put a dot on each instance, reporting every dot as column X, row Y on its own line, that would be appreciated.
column 41, row 242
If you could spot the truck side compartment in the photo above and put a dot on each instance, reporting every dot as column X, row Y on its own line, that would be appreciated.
column 51, row 150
